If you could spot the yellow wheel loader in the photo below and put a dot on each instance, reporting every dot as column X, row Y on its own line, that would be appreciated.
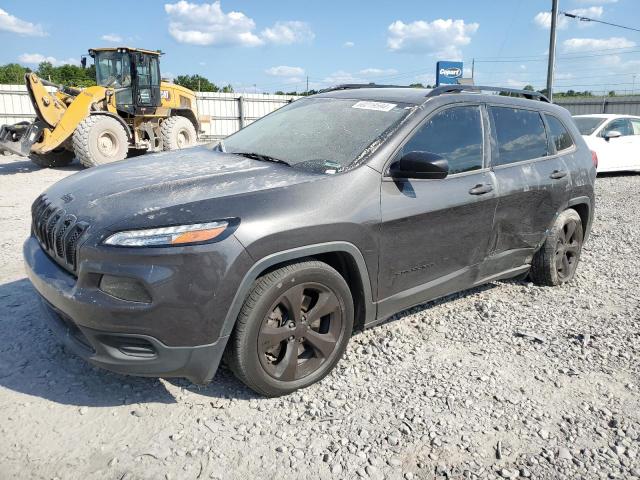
column 129, row 108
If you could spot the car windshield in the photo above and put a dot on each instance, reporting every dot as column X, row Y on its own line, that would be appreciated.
column 588, row 125
column 324, row 135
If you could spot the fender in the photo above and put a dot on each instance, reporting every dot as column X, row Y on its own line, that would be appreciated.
column 588, row 202
column 293, row 254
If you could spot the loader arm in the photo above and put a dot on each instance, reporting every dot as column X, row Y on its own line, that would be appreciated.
column 76, row 112
column 57, row 116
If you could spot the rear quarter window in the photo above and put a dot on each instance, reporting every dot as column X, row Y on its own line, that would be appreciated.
column 520, row 135
column 558, row 134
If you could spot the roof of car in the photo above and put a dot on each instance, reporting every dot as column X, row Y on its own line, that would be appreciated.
column 605, row 115
column 415, row 96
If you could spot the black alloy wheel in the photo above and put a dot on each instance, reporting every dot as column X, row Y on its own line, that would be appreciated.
column 293, row 328
column 300, row 332
column 568, row 249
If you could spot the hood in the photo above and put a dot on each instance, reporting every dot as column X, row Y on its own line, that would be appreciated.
column 152, row 185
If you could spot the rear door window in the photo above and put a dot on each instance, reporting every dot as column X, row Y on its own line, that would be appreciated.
column 558, row 134
column 520, row 135
column 455, row 134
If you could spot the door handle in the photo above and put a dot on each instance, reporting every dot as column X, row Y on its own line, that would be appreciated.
column 481, row 189
column 556, row 174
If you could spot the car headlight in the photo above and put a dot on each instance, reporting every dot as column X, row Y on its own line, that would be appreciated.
column 167, row 236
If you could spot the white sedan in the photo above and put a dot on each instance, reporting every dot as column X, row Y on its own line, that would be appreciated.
column 614, row 138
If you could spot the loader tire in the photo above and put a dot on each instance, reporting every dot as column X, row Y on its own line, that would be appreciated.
column 60, row 157
column 177, row 133
column 100, row 139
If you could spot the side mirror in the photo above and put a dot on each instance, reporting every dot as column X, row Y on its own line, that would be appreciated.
column 612, row 134
column 425, row 165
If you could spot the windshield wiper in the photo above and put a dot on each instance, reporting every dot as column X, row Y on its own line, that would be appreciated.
column 261, row 157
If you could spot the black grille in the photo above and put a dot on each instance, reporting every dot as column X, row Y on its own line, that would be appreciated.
column 58, row 232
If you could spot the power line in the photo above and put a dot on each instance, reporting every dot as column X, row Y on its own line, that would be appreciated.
column 587, row 19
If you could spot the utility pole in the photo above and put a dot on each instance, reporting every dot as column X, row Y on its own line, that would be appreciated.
column 307, row 91
column 473, row 68
column 552, row 49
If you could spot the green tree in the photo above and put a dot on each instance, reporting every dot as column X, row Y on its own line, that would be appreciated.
column 227, row 89
column 417, row 85
column 197, row 83
column 12, row 74
column 528, row 88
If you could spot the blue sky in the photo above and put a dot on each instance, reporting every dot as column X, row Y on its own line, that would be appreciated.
column 276, row 45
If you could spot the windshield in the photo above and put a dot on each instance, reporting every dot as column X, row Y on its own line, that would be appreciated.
column 112, row 69
column 588, row 125
column 324, row 135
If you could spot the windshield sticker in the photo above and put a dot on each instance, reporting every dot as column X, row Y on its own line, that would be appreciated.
column 379, row 106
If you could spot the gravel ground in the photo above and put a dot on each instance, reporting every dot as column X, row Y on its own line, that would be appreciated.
column 504, row 381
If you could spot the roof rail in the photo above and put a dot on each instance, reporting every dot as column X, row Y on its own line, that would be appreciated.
column 353, row 86
column 531, row 95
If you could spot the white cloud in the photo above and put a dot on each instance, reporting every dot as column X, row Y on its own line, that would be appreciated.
column 586, row 44
column 112, row 37
column 287, row 33
column 543, row 19
column 208, row 24
column 511, row 83
column 10, row 23
column 348, row 44
column 37, row 58
column 342, row 77
column 377, row 72
column 285, row 71
column 443, row 38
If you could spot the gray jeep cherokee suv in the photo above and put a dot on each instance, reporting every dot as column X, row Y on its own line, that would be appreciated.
column 324, row 217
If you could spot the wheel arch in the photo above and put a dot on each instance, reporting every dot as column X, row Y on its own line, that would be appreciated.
column 583, row 206
column 343, row 256
column 189, row 114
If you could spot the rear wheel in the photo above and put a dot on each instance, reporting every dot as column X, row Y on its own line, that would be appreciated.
column 59, row 157
column 557, row 260
column 100, row 139
column 293, row 328
column 177, row 133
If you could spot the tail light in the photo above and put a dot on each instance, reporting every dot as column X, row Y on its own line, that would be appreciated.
column 594, row 158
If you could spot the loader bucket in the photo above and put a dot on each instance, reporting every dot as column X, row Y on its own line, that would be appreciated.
column 20, row 137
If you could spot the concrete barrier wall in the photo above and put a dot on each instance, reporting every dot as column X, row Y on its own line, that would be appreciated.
column 583, row 106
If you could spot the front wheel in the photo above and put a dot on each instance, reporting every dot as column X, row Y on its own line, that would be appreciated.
column 557, row 260
column 293, row 328
column 100, row 139
column 60, row 157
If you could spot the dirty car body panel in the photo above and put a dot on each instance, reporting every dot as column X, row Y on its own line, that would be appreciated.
column 407, row 240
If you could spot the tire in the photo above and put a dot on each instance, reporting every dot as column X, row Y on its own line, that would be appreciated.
column 177, row 133
column 557, row 260
column 268, row 350
column 59, row 157
column 100, row 139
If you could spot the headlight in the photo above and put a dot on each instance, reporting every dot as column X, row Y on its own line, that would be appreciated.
column 166, row 236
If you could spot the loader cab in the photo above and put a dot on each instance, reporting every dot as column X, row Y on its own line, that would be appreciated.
column 134, row 74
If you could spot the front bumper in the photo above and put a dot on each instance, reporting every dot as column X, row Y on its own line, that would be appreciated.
column 133, row 354
column 165, row 338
